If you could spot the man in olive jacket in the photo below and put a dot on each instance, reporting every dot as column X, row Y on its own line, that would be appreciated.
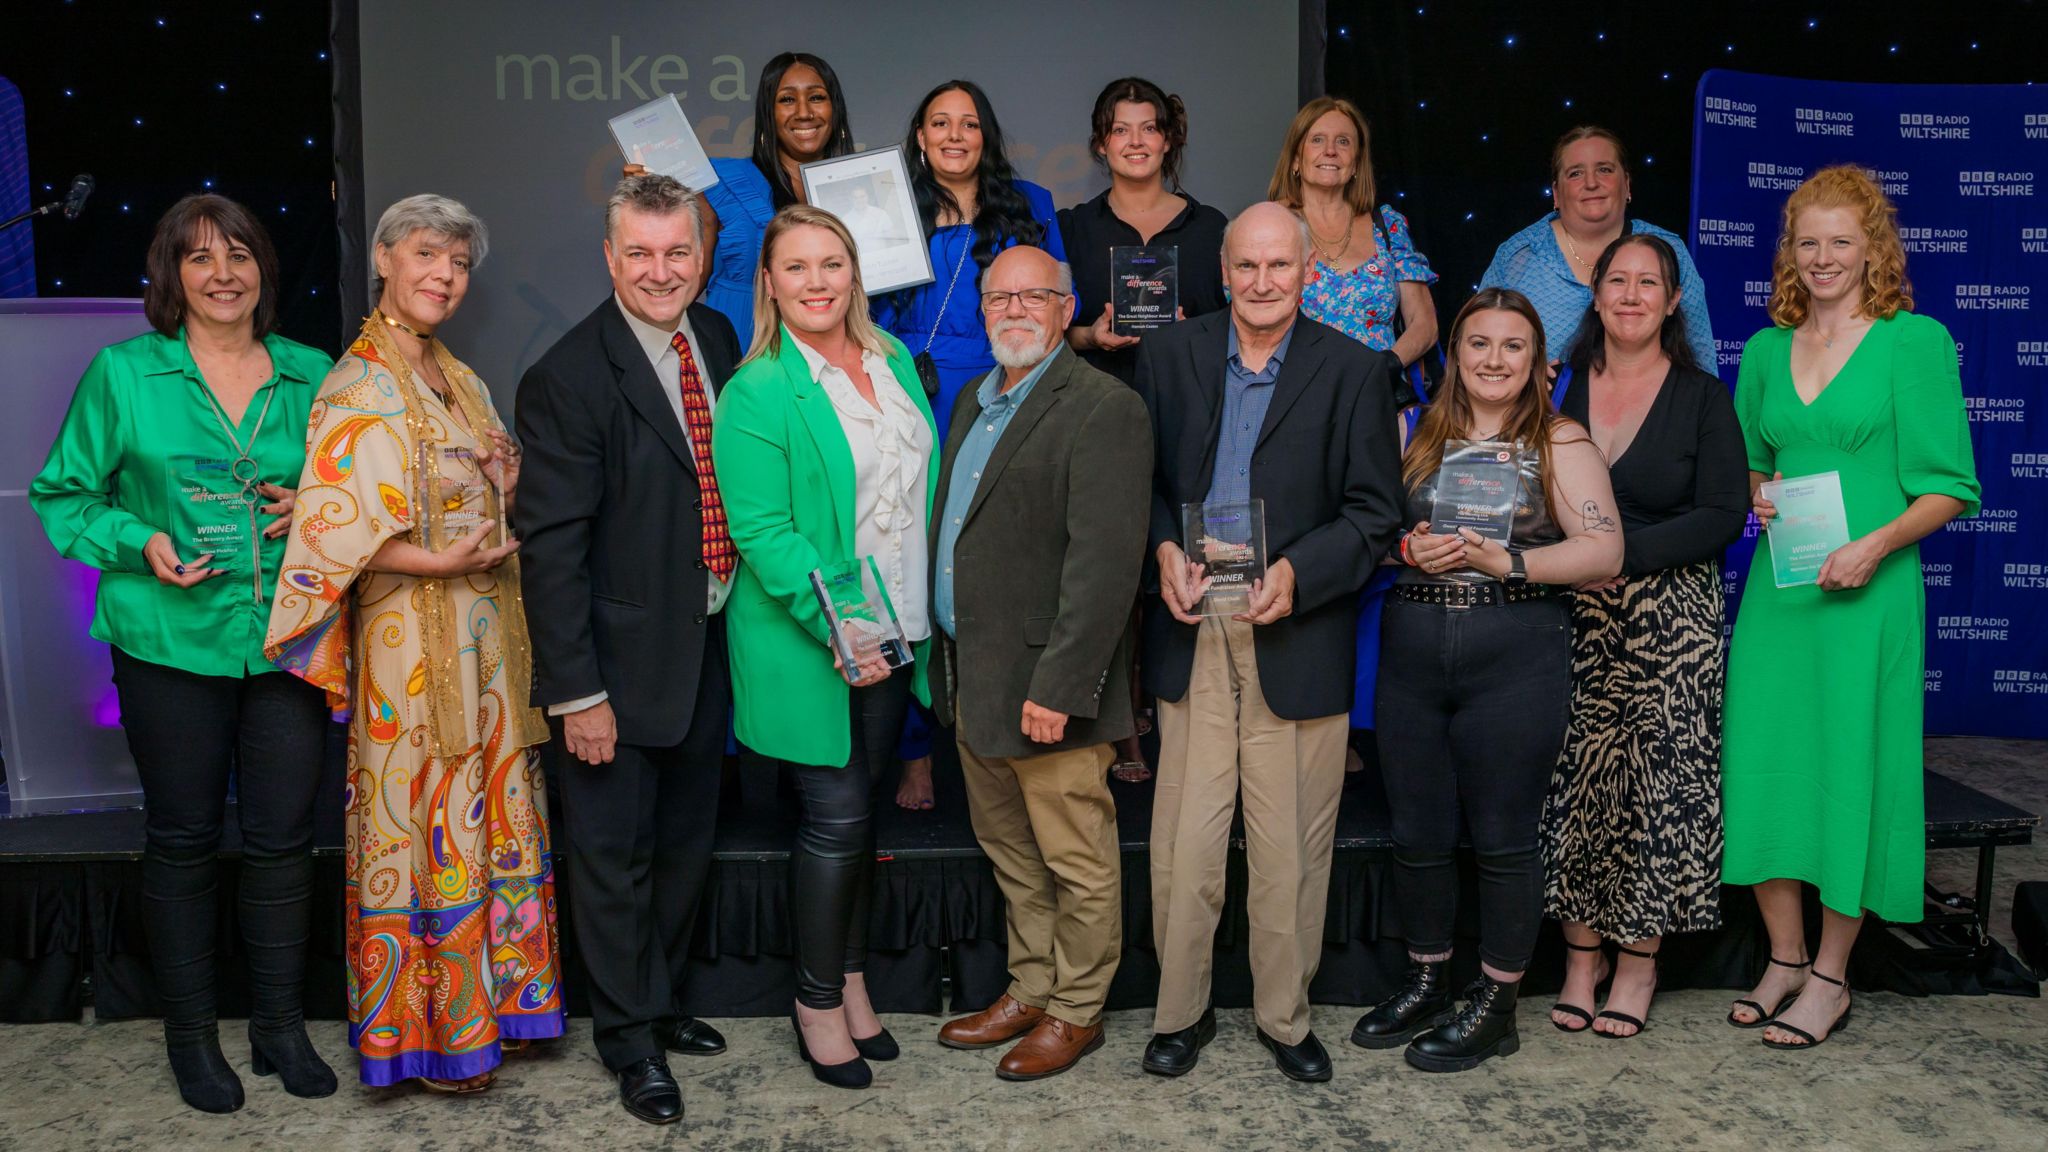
column 1046, row 488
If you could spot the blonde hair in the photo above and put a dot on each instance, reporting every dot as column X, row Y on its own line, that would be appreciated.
column 1286, row 183
column 1886, row 291
column 768, row 319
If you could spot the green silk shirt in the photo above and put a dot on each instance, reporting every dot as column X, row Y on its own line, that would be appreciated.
column 106, row 489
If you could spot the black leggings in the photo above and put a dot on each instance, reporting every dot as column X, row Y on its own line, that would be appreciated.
column 186, row 732
column 832, row 875
column 1471, row 709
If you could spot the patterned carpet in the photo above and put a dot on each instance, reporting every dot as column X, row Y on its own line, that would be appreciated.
column 1946, row 1073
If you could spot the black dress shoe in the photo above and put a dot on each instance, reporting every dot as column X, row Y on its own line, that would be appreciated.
column 1482, row 1029
column 1175, row 1053
column 690, row 1036
column 853, row 1073
column 1422, row 1003
column 880, row 1046
column 1306, row 1061
column 649, row 1091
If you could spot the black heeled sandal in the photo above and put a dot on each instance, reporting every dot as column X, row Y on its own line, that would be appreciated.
column 1811, row 1041
column 1765, row 1015
column 1623, row 1017
column 1573, row 1009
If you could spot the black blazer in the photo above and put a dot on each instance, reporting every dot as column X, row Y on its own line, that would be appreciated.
column 609, row 514
column 1328, row 465
column 1047, row 564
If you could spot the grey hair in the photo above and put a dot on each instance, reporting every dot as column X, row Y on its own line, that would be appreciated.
column 436, row 214
column 1065, row 280
column 657, row 195
column 1300, row 228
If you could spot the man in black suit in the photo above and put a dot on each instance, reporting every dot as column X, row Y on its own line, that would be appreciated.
column 1035, row 556
column 1258, row 403
column 626, row 564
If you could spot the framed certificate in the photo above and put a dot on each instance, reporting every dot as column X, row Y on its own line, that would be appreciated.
column 870, row 193
column 658, row 136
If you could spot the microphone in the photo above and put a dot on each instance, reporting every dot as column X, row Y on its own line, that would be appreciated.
column 74, row 200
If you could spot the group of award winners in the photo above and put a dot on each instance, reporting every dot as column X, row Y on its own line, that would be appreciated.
column 1486, row 555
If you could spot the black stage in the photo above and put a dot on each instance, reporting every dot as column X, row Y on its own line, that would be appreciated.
column 71, row 934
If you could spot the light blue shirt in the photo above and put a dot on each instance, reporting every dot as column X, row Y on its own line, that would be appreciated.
column 1246, row 396
column 970, row 459
column 1531, row 263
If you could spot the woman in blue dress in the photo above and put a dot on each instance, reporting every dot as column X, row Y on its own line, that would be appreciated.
column 973, row 206
column 799, row 116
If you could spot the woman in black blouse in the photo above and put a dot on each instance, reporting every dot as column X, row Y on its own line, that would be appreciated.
column 1632, row 824
column 1138, row 133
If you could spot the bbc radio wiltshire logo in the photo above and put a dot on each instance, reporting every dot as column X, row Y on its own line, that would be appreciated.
column 1993, row 182
column 1715, row 233
column 1953, row 241
column 1726, row 113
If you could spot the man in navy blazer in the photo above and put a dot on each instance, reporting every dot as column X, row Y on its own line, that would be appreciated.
column 1258, row 403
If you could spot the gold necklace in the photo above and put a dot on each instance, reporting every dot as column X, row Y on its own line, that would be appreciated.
column 1573, row 248
column 1343, row 246
column 408, row 329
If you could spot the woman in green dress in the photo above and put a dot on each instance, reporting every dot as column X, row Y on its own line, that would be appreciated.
column 1821, row 776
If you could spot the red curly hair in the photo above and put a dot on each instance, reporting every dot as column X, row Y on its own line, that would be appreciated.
column 1886, row 291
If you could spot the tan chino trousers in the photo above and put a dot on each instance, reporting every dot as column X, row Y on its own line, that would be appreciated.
column 1218, row 739
column 1049, row 825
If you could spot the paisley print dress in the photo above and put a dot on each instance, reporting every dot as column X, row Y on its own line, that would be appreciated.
column 450, row 889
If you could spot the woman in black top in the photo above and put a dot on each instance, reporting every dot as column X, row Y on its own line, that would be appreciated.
column 1138, row 133
column 1632, row 824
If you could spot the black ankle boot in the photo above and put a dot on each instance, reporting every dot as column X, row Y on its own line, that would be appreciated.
column 290, row 1055
column 1482, row 1029
column 1422, row 1001
column 204, row 1078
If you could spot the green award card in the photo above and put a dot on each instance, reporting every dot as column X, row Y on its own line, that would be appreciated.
column 209, row 514
column 1811, row 523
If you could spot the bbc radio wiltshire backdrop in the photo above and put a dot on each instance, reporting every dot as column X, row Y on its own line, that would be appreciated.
column 1967, row 166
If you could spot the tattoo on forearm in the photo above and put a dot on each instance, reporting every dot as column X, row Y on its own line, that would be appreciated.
column 1596, row 521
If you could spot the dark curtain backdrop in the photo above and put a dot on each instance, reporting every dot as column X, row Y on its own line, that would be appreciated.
column 1464, row 96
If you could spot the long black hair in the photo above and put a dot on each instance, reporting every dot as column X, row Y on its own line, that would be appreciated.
column 767, row 147
column 1002, row 214
column 1589, row 347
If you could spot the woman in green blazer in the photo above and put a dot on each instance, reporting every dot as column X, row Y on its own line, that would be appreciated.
column 172, row 475
column 826, row 452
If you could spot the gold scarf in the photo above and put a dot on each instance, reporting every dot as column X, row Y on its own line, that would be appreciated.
column 449, row 733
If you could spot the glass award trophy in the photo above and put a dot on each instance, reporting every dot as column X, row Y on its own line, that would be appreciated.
column 1144, row 287
column 865, row 631
column 1477, row 487
column 1811, row 523
column 210, row 512
column 1228, row 539
column 453, row 496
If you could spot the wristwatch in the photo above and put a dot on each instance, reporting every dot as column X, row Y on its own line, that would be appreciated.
column 1518, row 573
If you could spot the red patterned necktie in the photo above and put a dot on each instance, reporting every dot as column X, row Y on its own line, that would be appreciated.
column 719, row 555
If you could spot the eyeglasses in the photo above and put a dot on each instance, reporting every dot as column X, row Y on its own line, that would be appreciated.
column 1033, row 298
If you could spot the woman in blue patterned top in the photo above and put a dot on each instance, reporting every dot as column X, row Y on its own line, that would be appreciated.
column 1370, row 283
column 1551, row 261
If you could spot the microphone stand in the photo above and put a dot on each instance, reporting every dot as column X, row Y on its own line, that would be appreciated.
column 45, row 210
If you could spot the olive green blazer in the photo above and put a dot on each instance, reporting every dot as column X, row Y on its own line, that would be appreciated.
column 785, row 473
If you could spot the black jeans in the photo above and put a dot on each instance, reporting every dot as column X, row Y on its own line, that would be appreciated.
column 832, row 873
column 187, row 732
column 1471, row 709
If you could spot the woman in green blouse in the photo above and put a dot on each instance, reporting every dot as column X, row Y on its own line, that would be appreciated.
column 169, row 476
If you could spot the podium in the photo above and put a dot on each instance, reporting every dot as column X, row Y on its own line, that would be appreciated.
column 60, row 723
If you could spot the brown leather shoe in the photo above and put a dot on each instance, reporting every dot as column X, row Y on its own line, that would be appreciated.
column 999, row 1023
column 1049, row 1049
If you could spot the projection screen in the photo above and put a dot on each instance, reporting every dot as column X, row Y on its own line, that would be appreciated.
column 502, row 104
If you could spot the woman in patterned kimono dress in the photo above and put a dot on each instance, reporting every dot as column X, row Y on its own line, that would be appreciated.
column 400, row 597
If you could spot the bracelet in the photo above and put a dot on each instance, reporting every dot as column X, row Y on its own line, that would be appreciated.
column 1405, row 558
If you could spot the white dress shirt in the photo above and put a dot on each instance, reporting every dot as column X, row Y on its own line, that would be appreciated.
column 892, row 449
column 668, row 372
